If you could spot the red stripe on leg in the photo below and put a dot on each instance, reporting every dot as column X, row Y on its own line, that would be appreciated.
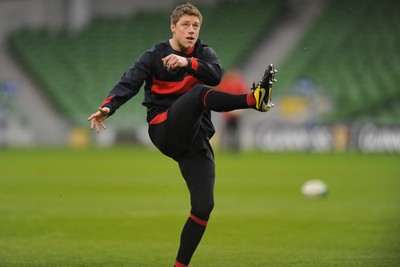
column 251, row 102
column 205, row 96
column 178, row 264
column 198, row 220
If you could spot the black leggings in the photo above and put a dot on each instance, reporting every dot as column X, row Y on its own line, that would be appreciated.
column 199, row 173
column 182, row 137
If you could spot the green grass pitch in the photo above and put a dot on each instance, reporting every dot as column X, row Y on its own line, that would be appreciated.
column 125, row 206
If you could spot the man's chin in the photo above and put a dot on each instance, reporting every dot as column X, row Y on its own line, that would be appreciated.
column 189, row 46
column 190, row 43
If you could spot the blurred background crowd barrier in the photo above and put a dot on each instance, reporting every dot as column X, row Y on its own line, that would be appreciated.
column 338, row 79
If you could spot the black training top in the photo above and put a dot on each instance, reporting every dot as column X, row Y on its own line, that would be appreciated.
column 163, row 87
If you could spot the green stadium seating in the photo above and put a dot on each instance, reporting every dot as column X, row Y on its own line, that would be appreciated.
column 77, row 69
column 351, row 54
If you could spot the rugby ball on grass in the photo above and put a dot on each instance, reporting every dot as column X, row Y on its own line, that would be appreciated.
column 314, row 189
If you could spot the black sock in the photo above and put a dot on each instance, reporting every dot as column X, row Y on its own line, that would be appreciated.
column 221, row 101
column 190, row 238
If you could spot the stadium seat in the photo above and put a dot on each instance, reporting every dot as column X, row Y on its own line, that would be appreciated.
column 351, row 51
column 77, row 70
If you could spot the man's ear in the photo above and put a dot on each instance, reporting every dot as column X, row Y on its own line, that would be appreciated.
column 172, row 28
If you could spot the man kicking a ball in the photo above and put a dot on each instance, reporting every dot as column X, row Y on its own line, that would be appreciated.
column 175, row 73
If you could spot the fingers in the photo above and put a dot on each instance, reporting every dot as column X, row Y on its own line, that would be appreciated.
column 169, row 64
column 95, row 124
column 102, row 112
column 103, row 125
column 92, row 121
column 173, row 61
column 97, row 118
column 166, row 61
column 94, row 115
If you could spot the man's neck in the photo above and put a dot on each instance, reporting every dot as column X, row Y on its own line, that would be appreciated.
column 176, row 46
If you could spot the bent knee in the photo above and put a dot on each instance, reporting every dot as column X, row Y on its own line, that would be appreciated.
column 200, row 90
column 203, row 211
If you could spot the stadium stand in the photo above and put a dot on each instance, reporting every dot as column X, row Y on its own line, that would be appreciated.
column 77, row 69
column 350, row 53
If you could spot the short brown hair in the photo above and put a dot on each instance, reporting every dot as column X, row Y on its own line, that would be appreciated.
column 185, row 9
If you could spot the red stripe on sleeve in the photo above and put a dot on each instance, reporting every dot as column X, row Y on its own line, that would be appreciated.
column 107, row 100
column 198, row 220
column 195, row 64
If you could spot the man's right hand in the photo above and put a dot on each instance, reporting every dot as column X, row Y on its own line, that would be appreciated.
column 96, row 119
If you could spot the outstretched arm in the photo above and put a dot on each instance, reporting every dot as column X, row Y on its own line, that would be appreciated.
column 128, row 86
column 97, row 118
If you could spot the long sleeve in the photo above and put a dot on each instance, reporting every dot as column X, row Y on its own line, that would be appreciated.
column 129, row 84
column 207, row 67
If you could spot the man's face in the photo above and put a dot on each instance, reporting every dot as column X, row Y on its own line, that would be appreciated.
column 186, row 32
